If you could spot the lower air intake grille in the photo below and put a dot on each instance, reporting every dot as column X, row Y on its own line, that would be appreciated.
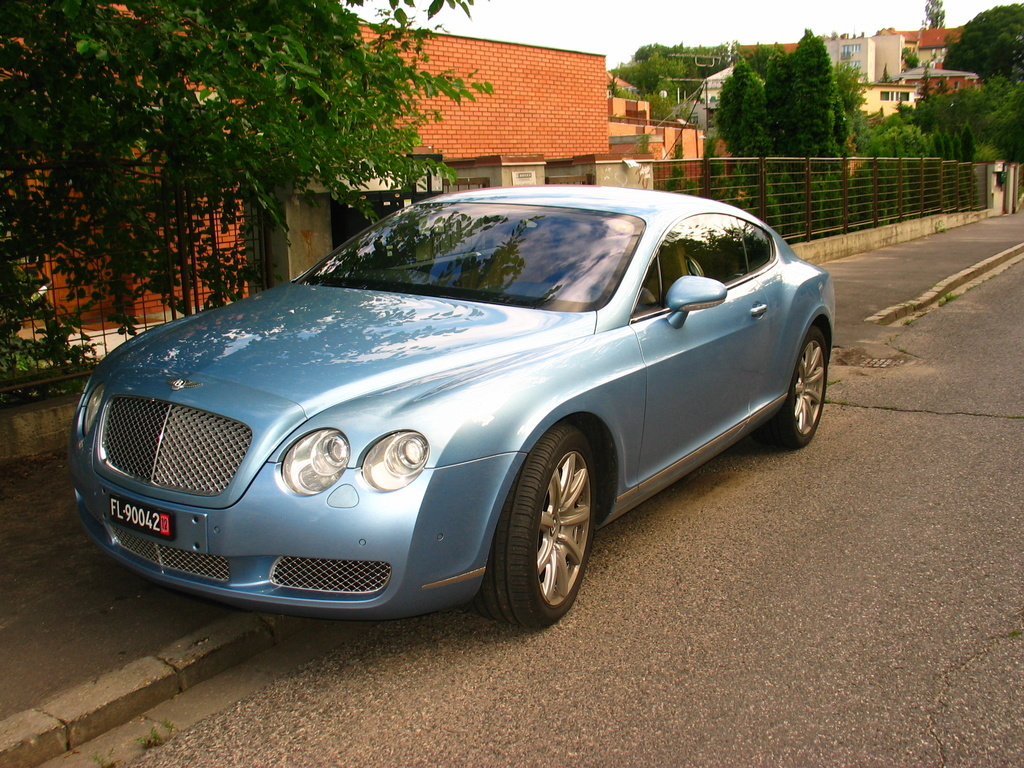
column 174, row 446
column 348, row 576
column 197, row 563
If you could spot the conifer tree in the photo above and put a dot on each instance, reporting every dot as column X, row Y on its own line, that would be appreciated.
column 802, row 101
column 742, row 114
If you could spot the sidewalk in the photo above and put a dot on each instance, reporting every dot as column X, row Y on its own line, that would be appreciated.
column 87, row 645
column 869, row 283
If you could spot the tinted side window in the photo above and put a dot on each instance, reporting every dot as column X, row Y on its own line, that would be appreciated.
column 710, row 245
column 758, row 246
column 718, row 246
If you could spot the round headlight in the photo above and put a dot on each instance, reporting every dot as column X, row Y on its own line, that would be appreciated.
column 396, row 460
column 316, row 461
column 92, row 409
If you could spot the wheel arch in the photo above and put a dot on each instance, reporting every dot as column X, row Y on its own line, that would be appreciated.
column 605, row 455
column 825, row 326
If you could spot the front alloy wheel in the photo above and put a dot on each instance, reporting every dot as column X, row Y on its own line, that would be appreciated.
column 564, row 529
column 542, row 541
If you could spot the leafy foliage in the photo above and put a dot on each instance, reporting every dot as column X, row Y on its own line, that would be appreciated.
column 991, row 44
column 934, row 15
column 111, row 113
column 896, row 138
column 256, row 92
column 967, row 148
column 993, row 114
column 759, row 56
column 805, row 108
column 803, row 102
column 673, row 69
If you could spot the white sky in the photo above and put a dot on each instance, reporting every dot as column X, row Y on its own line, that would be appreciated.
column 617, row 29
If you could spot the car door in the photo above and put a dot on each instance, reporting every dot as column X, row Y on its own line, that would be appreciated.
column 700, row 377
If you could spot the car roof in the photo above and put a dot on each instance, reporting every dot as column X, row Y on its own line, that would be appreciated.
column 644, row 203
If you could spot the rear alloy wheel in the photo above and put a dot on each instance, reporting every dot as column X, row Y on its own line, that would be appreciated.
column 797, row 421
column 542, row 541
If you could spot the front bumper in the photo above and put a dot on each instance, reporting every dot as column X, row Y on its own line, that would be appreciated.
column 349, row 553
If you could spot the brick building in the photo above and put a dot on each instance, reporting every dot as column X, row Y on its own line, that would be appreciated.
column 545, row 102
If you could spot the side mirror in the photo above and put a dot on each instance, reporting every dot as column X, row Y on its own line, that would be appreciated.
column 690, row 293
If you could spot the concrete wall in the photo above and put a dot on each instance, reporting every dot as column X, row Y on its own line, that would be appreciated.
column 501, row 170
column 36, row 428
column 309, row 236
column 831, row 248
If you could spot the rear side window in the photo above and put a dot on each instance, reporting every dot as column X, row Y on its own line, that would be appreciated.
column 713, row 245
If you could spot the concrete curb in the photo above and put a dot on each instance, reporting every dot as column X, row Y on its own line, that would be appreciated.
column 84, row 712
column 936, row 292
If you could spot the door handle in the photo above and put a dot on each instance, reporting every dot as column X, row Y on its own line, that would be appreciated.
column 758, row 310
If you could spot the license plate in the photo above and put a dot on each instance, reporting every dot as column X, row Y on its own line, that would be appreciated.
column 153, row 522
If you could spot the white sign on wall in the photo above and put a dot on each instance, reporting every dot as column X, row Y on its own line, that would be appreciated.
column 524, row 178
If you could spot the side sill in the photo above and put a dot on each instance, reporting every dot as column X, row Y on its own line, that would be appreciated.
column 659, row 482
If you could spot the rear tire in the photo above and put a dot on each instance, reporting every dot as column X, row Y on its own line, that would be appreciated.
column 798, row 418
column 542, row 542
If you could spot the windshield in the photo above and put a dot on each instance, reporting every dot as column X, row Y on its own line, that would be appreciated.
column 552, row 258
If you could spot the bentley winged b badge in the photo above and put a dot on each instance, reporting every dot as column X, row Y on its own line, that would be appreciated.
column 177, row 383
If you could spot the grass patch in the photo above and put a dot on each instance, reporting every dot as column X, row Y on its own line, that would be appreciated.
column 156, row 736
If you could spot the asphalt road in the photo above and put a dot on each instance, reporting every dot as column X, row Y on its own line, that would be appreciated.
column 860, row 602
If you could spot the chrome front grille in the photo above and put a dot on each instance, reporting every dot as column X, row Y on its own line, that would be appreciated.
column 197, row 563
column 320, row 575
column 173, row 446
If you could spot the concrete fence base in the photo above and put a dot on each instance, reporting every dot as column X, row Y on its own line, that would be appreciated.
column 831, row 248
column 36, row 428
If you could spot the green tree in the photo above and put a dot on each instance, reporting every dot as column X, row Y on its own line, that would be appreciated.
column 991, row 44
column 801, row 94
column 1006, row 125
column 967, row 150
column 944, row 146
column 264, row 94
column 926, row 89
column 993, row 114
column 759, row 56
column 742, row 115
column 934, row 15
column 232, row 102
column 850, row 94
column 677, row 70
column 895, row 137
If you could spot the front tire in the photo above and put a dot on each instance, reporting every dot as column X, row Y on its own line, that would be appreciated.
column 798, row 418
column 542, row 542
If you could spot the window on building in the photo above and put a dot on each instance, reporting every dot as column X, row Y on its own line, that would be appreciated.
column 849, row 50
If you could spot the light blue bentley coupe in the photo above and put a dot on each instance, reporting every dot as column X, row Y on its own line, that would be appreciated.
column 445, row 408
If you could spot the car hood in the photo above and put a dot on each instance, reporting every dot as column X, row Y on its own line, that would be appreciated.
column 317, row 345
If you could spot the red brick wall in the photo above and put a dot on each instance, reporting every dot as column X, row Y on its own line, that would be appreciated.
column 547, row 102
